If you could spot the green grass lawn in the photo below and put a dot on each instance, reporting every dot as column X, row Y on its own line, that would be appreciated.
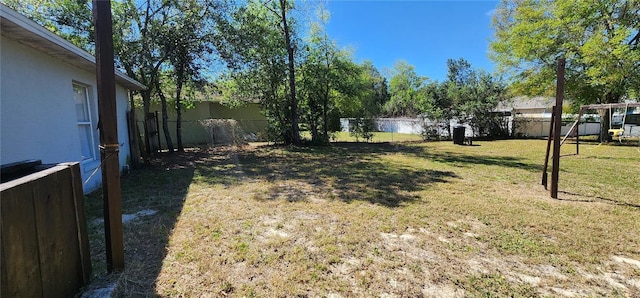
column 378, row 137
column 396, row 219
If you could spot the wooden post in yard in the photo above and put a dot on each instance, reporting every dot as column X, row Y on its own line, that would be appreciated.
column 109, row 145
column 555, row 170
column 546, row 156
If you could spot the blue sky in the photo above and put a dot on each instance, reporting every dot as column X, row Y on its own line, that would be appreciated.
column 423, row 33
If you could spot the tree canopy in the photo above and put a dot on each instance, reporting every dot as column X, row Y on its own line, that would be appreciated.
column 316, row 84
column 258, row 42
column 598, row 38
column 405, row 88
column 474, row 96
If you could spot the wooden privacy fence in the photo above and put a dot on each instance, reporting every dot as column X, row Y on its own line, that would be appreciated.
column 43, row 232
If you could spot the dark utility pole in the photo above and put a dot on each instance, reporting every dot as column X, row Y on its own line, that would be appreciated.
column 109, row 145
column 555, row 170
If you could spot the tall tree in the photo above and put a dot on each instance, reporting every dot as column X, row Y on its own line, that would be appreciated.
column 404, row 87
column 325, row 73
column 257, row 40
column 377, row 84
column 190, row 47
column 437, row 105
column 285, row 7
column 140, row 36
column 599, row 39
column 473, row 96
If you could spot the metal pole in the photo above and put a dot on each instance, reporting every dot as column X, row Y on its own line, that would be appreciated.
column 109, row 144
column 555, row 170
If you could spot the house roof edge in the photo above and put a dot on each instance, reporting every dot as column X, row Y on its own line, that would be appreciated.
column 18, row 27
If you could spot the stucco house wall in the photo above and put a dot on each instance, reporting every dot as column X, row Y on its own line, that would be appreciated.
column 38, row 117
column 249, row 111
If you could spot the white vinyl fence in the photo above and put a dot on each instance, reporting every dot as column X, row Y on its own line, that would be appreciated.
column 407, row 125
column 539, row 127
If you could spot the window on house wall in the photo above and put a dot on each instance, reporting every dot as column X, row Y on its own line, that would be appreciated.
column 85, row 122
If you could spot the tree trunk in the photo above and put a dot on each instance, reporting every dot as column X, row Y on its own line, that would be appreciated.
column 605, row 118
column 295, row 131
column 314, row 121
column 325, row 100
column 165, row 117
column 273, row 104
column 314, row 129
column 325, row 115
column 605, row 121
column 134, row 136
column 179, row 109
column 146, row 107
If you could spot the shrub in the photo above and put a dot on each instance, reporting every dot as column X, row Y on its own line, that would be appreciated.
column 362, row 128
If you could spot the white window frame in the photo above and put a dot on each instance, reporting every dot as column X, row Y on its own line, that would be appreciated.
column 88, row 110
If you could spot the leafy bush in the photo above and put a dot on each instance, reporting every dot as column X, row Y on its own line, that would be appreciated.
column 362, row 128
column 430, row 131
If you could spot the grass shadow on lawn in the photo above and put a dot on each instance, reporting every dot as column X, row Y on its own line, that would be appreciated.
column 595, row 199
column 343, row 171
column 466, row 160
column 161, row 186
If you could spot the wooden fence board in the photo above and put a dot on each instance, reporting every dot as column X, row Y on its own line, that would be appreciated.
column 57, row 234
column 20, row 255
column 81, row 224
column 69, row 196
column 4, row 283
column 43, row 234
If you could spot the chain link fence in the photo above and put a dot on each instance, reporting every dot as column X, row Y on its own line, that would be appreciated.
column 213, row 132
column 426, row 128
column 229, row 131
